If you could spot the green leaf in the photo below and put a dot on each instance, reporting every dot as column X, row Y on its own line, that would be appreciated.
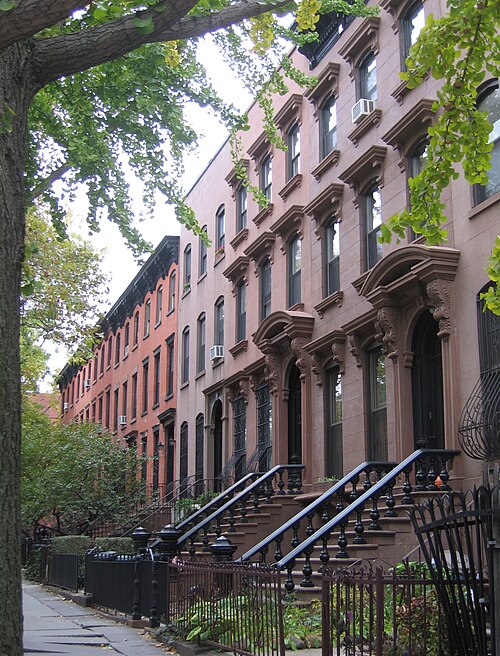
column 145, row 25
column 7, row 5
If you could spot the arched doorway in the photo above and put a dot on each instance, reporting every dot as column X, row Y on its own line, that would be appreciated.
column 217, row 443
column 294, row 416
column 427, row 385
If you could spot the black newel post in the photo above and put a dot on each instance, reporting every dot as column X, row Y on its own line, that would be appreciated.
column 168, row 549
column 140, row 538
column 222, row 550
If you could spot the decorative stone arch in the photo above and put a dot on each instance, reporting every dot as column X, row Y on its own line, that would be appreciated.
column 281, row 337
column 404, row 284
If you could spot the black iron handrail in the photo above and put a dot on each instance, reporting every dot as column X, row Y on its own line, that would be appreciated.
column 310, row 509
column 405, row 467
column 216, row 501
column 264, row 479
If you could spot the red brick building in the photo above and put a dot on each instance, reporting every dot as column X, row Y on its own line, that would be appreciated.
column 129, row 385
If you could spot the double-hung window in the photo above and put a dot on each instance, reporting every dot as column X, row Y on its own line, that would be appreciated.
column 332, row 257
column 294, row 271
column 293, row 153
column 328, row 127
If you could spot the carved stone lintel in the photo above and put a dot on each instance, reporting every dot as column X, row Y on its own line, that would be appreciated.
column 302, row 357
column 355, row 349
column 439, row 293
column 317, row 369
column 338, row 352
column 272, row 371
column 386, row 327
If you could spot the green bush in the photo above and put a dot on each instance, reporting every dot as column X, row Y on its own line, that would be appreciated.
column 120, row 545
column 72, row 544
column 33, row 564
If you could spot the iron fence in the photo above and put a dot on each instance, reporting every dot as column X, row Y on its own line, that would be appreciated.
column 233, row 606
column 64, row 570
column 374, row 612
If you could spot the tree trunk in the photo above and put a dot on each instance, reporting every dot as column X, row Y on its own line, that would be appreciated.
column 17, row 85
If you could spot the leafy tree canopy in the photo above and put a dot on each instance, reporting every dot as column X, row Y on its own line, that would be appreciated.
column 73, row 475
column 62, row 294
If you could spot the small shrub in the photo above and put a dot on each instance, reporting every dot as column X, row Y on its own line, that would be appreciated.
column 33, row 565
column 72, row 544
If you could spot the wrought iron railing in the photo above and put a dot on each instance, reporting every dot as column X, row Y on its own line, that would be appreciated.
column 457, row 536
column 479, row 423
column 322, row 507
column 262, row 489
column 427, row 465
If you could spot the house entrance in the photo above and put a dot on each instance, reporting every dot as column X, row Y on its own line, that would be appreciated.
column 427, row 385
column 294, row 417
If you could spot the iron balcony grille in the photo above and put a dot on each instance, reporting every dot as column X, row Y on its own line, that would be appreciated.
column 479, row 424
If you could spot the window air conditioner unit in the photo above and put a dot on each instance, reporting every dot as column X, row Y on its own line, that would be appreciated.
column 86, row 383
column 66, row 406
column 361, row 109
column 217, row 352
column 122, row 420
column 125, row 352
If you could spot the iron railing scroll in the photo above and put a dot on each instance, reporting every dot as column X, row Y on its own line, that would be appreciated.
column 479, row 423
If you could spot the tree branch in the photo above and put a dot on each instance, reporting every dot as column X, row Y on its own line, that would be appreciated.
column 45, row 184
column 67, row 54
column 28, row 17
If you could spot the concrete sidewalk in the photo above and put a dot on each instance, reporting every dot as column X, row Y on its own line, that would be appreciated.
column 53, row 625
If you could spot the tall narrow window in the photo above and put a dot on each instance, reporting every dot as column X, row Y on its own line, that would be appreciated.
column 264, row 427
column 126, row 340
column 220, row 228
column 368, row 78
column 333, row 419
column 136, row 328
column 156, row 460
column 172, row 291
column 412, row 23
column 118, row 346
column 203, row 255
column 294, row 271
column 99, row 409
column 187, row 268
column 145, row 385
column 328, row 127
column 239, row 437
column 200, row 346
column 159, row 305
column 124, row 398
column 332, row 257
column 156, row 378
column 199, row 464
column 96, row 367
column 265, row 289
column 377, row 403
column 110, row 350
column 219, row 322
column 103, row 355
column 293, row 153
column 488, row 100
column 170, row 366
column 185, row 356
column 134, row 396
column 147, row 318
column 116, row 409
column 107, row 409
column 241, row 312
column 144, row 453
column 266, row 177
column 183, row 452
column 371, row 204
column 241, row 208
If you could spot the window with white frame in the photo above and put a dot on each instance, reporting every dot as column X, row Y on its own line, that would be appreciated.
column 328, row 127
column 241, row 311
column 219, row 322
column 294, row 271
column 200, row 346
column 293, row 153
column 332, row 256
column 266, row 177
column 488, row 101
column 185, row 356
column 220, row 228
column 265, row 289
column 367, row 78
column 372, row 217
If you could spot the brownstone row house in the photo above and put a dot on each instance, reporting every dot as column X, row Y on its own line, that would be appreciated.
column 129, row 384
column 302, row 339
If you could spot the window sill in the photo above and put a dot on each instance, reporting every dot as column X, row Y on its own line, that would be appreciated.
column 135, row 346
column 133, row 420
column 483, row 205
column 332, row 159
column 200, row 374
column 169, row 396
column 334, row 299
column 186, row 291
column 184, row 384
column 297, row 307
column 370, row 121
column 171, row 311
column 158, row 323
column 144, row 413
column 202, row 277
column 265, row 211
column 145, row 336
column 216, row 363
column 242, row 345
column 117, row 364
column 219, row 258
column 155, row 405
column 294, row 182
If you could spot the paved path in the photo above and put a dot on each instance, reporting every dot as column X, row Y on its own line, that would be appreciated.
column 53, row 625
